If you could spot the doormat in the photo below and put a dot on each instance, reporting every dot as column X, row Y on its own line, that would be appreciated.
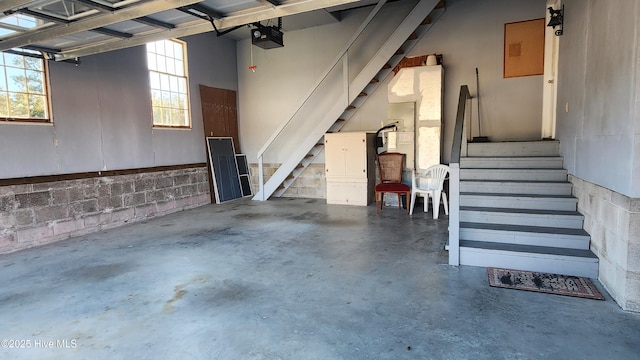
column 542, row 282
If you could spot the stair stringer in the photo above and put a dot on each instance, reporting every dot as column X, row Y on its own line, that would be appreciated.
column 379, row 67
column 301, row 151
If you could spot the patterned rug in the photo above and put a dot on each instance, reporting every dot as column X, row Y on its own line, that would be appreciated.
column 542, row 282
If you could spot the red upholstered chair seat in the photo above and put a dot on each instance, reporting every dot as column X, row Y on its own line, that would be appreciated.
column 392, row 187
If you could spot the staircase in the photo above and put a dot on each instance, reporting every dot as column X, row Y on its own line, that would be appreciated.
column 517, row 212
column 338, row 96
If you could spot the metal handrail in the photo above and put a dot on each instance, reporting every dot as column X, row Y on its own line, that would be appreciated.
column 458, row 129
column 454, row 178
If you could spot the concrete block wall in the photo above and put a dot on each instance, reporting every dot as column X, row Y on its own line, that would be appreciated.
column 41, row 213
column 310, row 184
column 613, row 221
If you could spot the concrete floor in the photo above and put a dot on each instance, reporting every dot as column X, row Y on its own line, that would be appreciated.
column 286, row 279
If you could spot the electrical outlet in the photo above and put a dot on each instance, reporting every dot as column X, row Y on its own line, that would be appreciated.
column 566, row 107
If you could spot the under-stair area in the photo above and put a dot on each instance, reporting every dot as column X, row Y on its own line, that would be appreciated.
column 517, row 211
column 339, row 94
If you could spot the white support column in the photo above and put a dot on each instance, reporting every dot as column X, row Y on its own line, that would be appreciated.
column 550, row 85
column 454, row 214
column 261, row 179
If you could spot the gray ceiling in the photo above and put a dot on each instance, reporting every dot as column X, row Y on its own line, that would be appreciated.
column 69, row 29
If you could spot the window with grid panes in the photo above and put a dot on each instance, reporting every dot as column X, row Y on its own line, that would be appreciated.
column 23, row 88
column 23, row 77
column 167, row 65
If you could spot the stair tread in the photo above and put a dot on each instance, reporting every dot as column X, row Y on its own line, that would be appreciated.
column 521, row 211
column 503, row 157
column 537, row 196
column 524, row 228
column 514, row 169
column 519, row 181
column 546, row 250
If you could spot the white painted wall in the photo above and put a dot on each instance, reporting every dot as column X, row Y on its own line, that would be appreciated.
column 598, row 83
column 469, row 35
column 102, row 115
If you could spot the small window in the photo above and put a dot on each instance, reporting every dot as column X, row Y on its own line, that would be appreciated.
column 23, row 88
column 166, row 60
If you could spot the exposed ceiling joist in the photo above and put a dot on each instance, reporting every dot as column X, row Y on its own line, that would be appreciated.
column 13, row 4
column 205, row 10
column 198, row 27
column 96, row 5
column 43, row 49
column 114, row 44
column 40, row 15
column 153, row 22
column 114, row 33
column 133, row 12
column 290, row 8
column 188, row 10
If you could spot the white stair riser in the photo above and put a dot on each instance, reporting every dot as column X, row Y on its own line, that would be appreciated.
column 554, row 264
column 516, row 188
column 543, row 220
column 514, row 170
column 512, row 163
column 526, row 238
column 514, row 174
column 515, row 202
column 533, row 148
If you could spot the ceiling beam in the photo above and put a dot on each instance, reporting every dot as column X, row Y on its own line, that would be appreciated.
column 290, row 8
column 42, row 16
column 206, row 10
column 114, row 33
column 116, row 16
column 199, row 27
column 96, row 5
column 195, row 27
column 155, row 23
column 187, row 10
column 43, row 49
column 13, row 4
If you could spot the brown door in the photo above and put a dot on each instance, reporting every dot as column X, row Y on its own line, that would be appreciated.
column 220, row 118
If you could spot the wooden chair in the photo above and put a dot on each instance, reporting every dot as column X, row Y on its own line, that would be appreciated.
column 390, row 166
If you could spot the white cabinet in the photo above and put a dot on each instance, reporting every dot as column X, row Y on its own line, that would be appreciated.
column 349, row 168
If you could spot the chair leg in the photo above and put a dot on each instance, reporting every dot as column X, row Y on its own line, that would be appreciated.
column 406, row 195
column 399, row 201
column 377, row 202
column 425, row 207
column 436, row 204
column 445, row 201
column 413, row 201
